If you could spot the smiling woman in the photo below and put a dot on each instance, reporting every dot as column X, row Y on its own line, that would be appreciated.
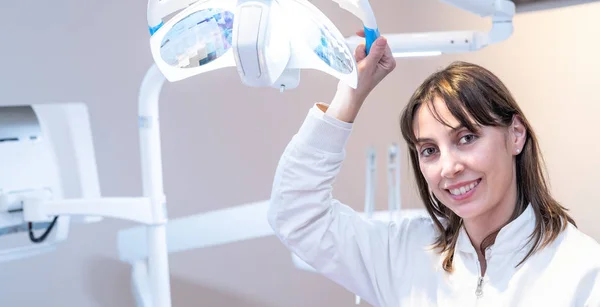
column 477, row 160
column 494, row 235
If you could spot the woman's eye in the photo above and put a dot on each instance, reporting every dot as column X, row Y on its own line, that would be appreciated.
column 468, row 139
column 426, row 152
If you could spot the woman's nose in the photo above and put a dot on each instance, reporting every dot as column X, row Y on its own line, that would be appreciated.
column 451, row 166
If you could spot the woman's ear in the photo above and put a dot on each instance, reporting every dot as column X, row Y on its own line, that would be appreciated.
column 518, row 134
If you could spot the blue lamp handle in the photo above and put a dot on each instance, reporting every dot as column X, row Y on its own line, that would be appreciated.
column 370, row 36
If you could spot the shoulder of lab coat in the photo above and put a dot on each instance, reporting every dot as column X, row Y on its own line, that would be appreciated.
column 580, row 255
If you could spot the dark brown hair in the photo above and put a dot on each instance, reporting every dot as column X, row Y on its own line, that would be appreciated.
column 476, row 97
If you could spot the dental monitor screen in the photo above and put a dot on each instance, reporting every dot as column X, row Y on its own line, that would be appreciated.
column 46, row 153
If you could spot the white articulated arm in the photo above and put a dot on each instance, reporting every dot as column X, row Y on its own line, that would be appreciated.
column 501, row 12
column 135, row 209
column 25, row 251
column 437, row 43
column 214, row 228
column 152, row 185
column 140, row 284
column 483, row 8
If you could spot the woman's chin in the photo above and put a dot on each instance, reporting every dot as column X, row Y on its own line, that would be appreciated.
column 466, row 210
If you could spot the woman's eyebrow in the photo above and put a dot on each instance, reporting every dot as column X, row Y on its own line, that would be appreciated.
column 424, row 140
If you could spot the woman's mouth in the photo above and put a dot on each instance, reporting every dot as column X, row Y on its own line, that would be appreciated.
column 464, row 191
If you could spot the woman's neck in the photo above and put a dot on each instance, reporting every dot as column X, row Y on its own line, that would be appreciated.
column 480, row 227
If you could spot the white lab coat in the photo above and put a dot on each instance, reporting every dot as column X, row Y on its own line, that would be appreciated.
column 390, row 264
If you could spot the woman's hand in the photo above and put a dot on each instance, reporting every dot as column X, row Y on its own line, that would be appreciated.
column 372, row 69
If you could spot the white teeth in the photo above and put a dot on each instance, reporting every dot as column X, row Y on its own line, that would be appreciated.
column 463, row 190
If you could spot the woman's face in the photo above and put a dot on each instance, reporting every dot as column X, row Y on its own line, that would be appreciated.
column 470, row 172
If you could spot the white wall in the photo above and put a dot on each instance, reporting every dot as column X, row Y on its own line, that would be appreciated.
column 97, row 52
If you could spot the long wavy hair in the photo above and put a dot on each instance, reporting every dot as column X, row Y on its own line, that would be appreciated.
column 475, row 96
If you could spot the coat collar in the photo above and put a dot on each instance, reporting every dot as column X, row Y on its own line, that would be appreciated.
column 512, row 238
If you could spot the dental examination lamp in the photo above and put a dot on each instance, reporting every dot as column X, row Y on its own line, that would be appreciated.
column 267, row 41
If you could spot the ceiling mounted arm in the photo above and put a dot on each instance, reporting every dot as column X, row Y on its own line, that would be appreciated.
column 437, row 43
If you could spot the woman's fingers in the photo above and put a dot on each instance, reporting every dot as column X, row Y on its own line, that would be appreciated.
column 360, row 52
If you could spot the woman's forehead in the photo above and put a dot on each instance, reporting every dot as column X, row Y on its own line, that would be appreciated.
column 434, row 116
